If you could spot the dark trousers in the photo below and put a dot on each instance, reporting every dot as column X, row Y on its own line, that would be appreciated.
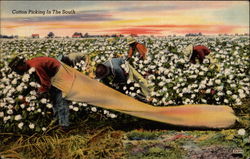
column 60, row 106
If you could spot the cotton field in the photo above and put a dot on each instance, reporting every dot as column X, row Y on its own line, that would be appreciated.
column 172, row 79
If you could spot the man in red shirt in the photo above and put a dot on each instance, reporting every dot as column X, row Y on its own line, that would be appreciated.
column 199, row 52
column 135, row 46
column 45, row 68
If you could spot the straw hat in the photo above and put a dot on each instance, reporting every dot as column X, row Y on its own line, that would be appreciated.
column 130, row 40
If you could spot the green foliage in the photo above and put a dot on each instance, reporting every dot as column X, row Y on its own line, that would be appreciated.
column 143, row 135
column 154, row 149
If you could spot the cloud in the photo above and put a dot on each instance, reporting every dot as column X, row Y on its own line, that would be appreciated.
column 79, row 16
column 135, row 30
column 171, row 6
column 178, row 29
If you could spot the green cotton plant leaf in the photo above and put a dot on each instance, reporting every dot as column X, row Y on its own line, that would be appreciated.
column 37, row 129
column 24, row 114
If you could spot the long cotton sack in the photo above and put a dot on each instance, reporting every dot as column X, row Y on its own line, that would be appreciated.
column 78, row 87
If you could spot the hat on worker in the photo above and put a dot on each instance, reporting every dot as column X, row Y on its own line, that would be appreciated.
column 130, row 40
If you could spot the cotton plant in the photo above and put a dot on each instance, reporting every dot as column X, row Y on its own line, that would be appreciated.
column 22, row 111
column 19, row 104
column 174, row 81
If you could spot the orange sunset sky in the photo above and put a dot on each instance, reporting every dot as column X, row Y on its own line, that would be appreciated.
column 124, row 17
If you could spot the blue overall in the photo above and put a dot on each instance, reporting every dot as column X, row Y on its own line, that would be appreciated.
column 116, row 70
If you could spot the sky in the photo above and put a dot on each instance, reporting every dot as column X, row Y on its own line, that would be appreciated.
column 158, row 18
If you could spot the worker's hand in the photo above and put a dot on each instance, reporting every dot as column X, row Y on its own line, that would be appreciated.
column 129, row 60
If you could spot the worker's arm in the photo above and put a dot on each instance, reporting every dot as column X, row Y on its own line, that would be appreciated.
column 201, row 56
column 142, row 50
column 130, row 52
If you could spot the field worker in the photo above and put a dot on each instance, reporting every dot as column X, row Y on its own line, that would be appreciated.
column 45, row 68
column 135, row 46
column 72, row 59
column 199, row 52
column 112, row 71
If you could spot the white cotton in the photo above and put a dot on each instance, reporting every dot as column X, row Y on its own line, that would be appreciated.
column 25, row 77
column 93, row 109
column 20, row 125
column 49, row 105
column 33, row 84
column 242, row 132
column 217, row 81
column 113, row 115
column 31, row 70
column 43, row 100
column 10, row 111
column 1, row 114
column 18, row 117
column 31, row 126
column 76, row 109
column 105, row 112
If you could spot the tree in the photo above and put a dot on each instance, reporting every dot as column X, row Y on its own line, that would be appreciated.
column 86, row 35
column 51, row 35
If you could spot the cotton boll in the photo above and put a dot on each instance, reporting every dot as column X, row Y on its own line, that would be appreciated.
column 132, row 88
column 234, row 96
column 31, row 70
column 25, row 77
column 39, row 110
column 14, row 82
column 10, row 111
column 1, row 114
column 22, row 106
column 93, row 109
column 84, row 104
column 31, row 126
column 20, row 97
column 18, row 117
column 217, row 81
column 226, row 101
column 113, row 115
column 6, row 118
column 138, row 91
column 32, row 84
column 43, row 100
column 49, row 105
column 76, row 109
column 20, row 125
column 229, row 92
column 242, row 132
column 105, row 112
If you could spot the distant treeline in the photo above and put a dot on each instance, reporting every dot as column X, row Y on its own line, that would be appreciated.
column 8, row 37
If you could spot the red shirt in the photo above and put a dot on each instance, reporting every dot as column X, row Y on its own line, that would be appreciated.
column 199, row 52
column 140, row 48
column 46, row 68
